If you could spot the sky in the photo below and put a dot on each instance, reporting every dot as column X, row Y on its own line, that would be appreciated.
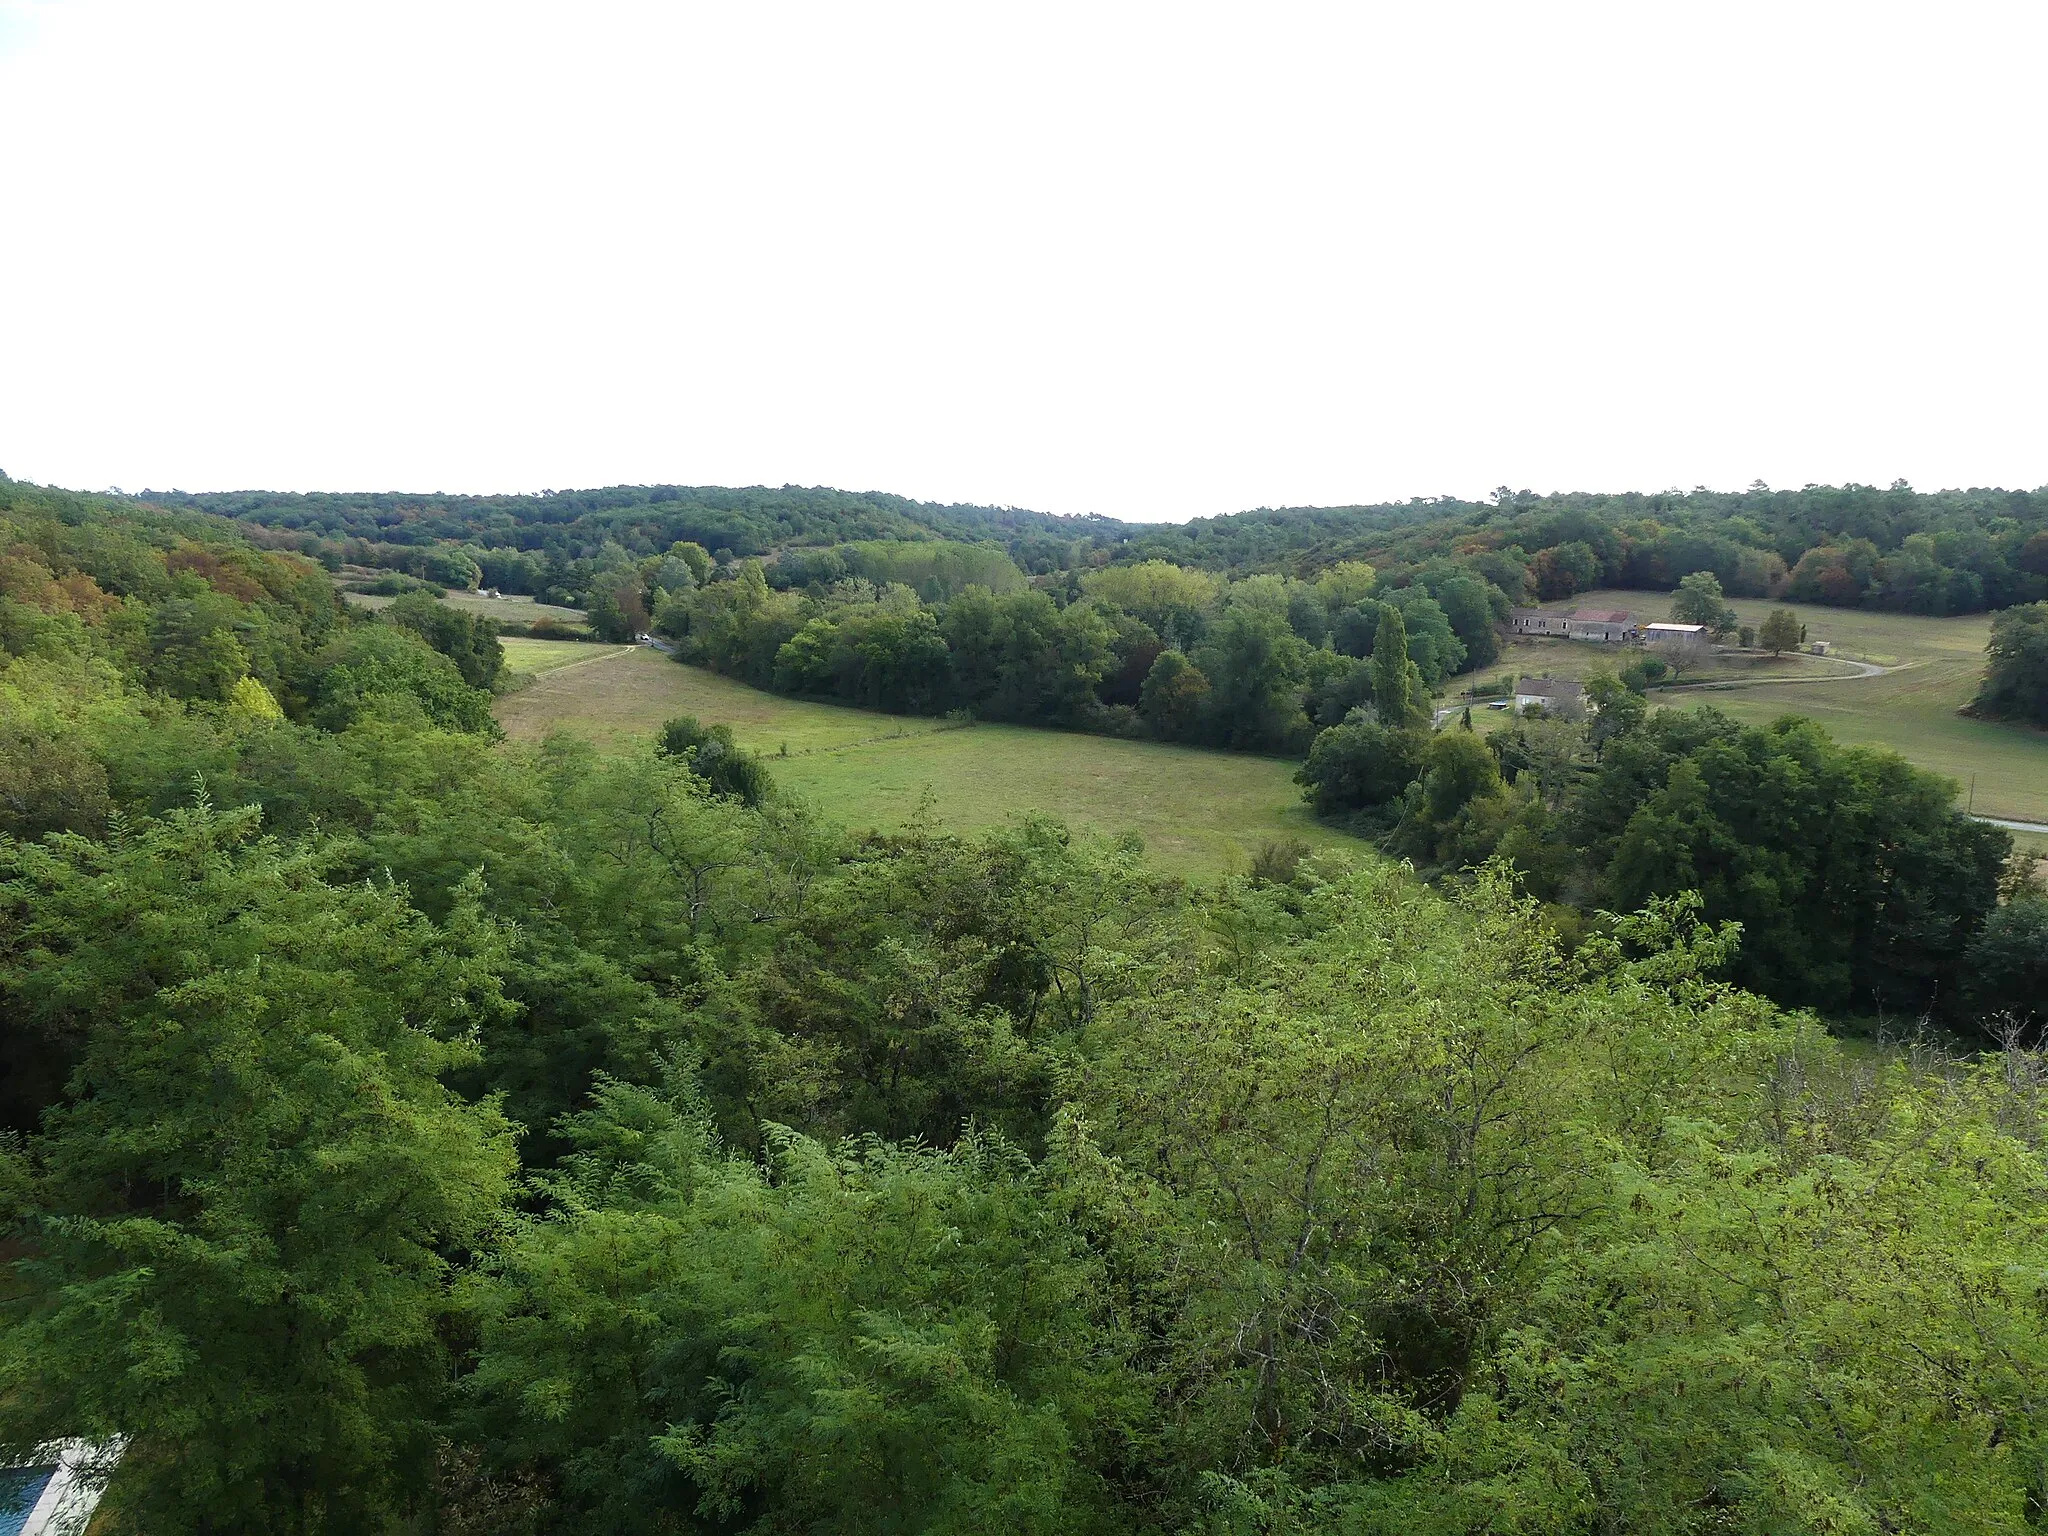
column 1152, row 261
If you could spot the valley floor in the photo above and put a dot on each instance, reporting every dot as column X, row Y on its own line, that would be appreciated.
column 2000, row 770
column 1200, row 813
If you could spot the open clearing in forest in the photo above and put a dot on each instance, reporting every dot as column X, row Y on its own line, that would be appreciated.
column 1201, row 813
column 507, row 610
column 1912, row 711
column 526, row 658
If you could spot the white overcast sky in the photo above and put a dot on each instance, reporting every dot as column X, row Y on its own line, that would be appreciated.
column 1152, row 261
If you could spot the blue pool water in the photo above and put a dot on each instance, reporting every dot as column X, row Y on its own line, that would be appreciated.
column 20, row 1487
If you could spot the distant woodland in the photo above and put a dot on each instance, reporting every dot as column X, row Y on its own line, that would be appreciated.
column 1895, row 549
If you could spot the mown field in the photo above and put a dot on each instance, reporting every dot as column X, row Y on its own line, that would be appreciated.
column 1911, row 711
column 1200, row 813
column 1530, row 656
column 526, row 658
column 508, row 610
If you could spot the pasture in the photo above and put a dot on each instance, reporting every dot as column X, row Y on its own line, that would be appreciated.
column 1912, row 711
column 526, row 659
column 1543, row 656
column 507, row 610
column 1200, row 813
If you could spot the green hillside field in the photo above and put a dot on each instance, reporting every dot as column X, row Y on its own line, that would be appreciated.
column 1200, row 813
column 1913, row 711
column 507, row 610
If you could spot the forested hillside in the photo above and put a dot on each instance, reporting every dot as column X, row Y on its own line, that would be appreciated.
column 1895, row 549
column 411, row 1131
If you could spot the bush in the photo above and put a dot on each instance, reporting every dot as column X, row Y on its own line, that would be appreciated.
column 1278, row 860
column 2007, row 967
column 714, row 757
column 1360, row 764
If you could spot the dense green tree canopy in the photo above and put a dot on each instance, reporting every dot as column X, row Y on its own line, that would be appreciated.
column 2015, row 683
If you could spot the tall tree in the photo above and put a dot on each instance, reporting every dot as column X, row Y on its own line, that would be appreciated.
column 2015, row 685
column 1396, row 690
column 1698, row 600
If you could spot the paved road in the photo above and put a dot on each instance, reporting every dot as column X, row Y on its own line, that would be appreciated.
column 2016, row 826
column 1863, row 669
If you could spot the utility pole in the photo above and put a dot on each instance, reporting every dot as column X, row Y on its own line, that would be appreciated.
column 1973, row 796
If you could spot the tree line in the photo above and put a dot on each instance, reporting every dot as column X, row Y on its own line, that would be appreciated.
column 1891, row 548
column 1153, row 649
column 1857, row 884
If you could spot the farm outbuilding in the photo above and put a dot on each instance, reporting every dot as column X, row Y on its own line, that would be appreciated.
column 1557, row 696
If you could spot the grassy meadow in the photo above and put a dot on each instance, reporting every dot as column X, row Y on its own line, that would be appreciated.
column 508, row 610
column 525, row 659
column 1542, row 656
column 1911, row 711
column 1201, row 813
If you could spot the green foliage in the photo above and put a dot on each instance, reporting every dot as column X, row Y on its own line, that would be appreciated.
column 1780, row 631
column 1854, row 878
column 1175, row 697
column 935, row 569
column 379, row 666
column 712, row 756
column 2015, row 685
column 534, row 1140
column 245, row 1202
column 1699, row 601
column 468, row 640
column 1256, row 666
column 2006, row 968
column 1397, row 691
column 1360, row 764
column 867, row 1340
column 1431, row 644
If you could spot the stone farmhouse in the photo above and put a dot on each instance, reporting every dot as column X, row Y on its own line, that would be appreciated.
column 1557, row 695
column 1606, row 626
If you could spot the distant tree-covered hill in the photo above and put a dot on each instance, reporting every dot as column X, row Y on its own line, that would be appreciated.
column 641, row 519
column 1852, row 546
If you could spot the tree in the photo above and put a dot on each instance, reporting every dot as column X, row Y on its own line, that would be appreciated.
column 2015, row 685
column 1397, row 693
column 1856, row 880
column 714, row 757
column 857, row 1341
column 2007, row 967
column 1617, row 709
column 470, row 640
column 1174, row 696
column 1457, row 769
column 1432, row 644
column 1698, row 600
column 239, row 1216
column 1779, row 632
column 1360, row 764
column 1565, row 569
column 1683, row 653
column 379, row 665
column 1256, row 666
